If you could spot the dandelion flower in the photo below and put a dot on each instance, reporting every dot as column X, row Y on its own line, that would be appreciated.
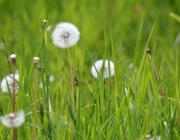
column 8, row 82
column 108, row 65
column 65, row 35
column 13, row 120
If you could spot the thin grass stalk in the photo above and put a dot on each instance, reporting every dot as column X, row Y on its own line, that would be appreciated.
column 148, row 52
column 51, row 129
column 115, row 72
column 50, row 109
column 4, row 45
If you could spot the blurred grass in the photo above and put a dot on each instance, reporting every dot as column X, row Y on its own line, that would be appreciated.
column 121, row 27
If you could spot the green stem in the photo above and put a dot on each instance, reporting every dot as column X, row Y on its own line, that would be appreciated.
column 35, row 98
column 14, row 99
column 71, row 80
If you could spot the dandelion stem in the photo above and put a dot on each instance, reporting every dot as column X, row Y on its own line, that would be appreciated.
column 14, row 94
column 104, row 90
column 14, row 107
column 71, row 80
column 13, row 133
column 13, row 60
column 154, row 70
column 36, row 60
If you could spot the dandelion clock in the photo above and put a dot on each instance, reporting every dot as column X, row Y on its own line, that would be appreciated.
column 65, row 35
column 8, row 82
column 13, row 119
column 107, row 69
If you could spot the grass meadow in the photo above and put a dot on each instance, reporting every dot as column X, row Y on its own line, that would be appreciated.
column 140, row 102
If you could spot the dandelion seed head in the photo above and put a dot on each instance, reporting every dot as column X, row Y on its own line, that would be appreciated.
column 36, row 59
column 108, row 65
column 65, row 35
column 13, row 120
column 45, row 21
column 13, row 56
column 8, row 82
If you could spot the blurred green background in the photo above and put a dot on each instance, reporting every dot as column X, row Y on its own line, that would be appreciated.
column 21, row 23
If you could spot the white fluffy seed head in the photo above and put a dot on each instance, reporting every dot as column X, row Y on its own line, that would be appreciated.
column 8, row 83
column 13, row 56
column 107, row 70
column 13, row 120
column 65, row 35
column 36, row 59
column 45, row 21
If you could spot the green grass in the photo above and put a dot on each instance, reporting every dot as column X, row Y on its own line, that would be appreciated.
column 119, row 30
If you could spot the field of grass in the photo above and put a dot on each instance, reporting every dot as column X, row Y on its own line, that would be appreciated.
column 142, row 98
